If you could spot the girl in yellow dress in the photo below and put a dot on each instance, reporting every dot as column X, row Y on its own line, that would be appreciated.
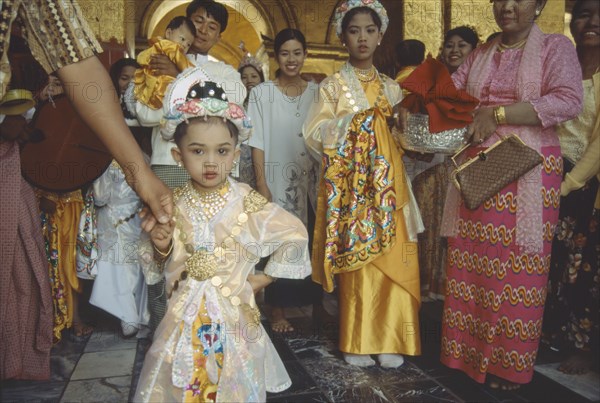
column 367, row 220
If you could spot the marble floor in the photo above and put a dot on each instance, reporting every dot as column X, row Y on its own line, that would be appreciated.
column 104, row 368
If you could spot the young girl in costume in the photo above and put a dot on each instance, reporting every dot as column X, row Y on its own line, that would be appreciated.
column 211, row 345
column 119, row 286
column 367, row 220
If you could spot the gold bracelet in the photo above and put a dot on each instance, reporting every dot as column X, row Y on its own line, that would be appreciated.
column 500, row 115
column 162, row 254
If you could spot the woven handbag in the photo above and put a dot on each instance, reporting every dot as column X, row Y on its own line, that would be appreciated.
column 484, row 175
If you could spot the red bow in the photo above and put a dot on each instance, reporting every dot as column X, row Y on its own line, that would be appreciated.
column 433, row 93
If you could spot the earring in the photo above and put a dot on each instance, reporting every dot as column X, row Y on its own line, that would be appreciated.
column 179, row 164
column 378, row 43
column 235, row 164
column 537, row 13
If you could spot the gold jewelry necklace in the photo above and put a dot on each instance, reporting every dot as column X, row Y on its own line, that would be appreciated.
column 365, row 75
column 202, row 206
column 502, row 47
column 203, row 263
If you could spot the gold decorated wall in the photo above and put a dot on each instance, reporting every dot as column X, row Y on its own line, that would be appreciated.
column 107, row 18
column 131, row 23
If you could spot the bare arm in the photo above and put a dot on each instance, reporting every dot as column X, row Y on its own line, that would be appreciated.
column 484, row 122
column 258, row 161
column 88, row 86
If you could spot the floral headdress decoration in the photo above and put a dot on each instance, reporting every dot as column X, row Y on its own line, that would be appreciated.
column 248, row 59
column 194, row 94
column 348, row 5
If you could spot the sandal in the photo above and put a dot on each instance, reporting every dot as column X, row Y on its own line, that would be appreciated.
column 579, row 362
column 282, row 326
column 495, row 382
column 80, row 329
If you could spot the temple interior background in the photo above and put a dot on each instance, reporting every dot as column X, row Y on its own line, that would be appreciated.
column 105, row 367
column 124, row 27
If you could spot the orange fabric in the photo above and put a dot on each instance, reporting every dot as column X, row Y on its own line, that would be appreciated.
column 433, row 93
column 60, row 234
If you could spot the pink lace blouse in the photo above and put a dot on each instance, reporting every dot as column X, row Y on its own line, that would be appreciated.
column 561, row 86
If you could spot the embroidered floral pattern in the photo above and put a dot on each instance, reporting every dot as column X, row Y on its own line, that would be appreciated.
column 573, row 297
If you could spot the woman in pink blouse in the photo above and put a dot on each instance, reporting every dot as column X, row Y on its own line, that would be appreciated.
column 499, row 254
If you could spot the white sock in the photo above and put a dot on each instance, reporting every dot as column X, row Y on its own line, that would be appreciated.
column 390, row 360
column 359, row 360
column 129, row 329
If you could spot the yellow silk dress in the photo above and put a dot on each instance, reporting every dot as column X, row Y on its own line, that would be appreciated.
column 379, row 300
column 150, row 89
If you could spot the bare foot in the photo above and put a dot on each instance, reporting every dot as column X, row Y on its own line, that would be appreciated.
column 279, row 324
column 80, row 329
column 579, row 362
column 495, row 382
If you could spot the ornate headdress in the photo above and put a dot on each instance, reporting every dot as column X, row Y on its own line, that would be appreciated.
column 194, row 94
column 248, row 59
column 348, row 5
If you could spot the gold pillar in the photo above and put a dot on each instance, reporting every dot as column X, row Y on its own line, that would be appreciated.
column 107, row 18
column 424, row 20
column 474, row 13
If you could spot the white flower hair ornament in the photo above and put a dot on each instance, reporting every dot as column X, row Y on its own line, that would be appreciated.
column 348, row 5
column 193, row 94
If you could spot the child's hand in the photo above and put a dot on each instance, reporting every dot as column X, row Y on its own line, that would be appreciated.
column 162, row 234
column 259, row 281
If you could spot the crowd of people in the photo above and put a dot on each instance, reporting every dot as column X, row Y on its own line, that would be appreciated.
column 297, row 188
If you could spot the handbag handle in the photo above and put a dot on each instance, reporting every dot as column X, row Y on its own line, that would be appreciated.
column 456, row 154
column 463, row 148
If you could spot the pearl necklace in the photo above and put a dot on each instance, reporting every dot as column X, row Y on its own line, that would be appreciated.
column 502, row 47
column 202, row 206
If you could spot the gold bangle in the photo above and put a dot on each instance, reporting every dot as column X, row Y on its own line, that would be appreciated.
column 500, row 115
column 162, row 254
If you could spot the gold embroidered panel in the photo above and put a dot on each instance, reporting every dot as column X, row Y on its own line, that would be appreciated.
column 424, row 20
